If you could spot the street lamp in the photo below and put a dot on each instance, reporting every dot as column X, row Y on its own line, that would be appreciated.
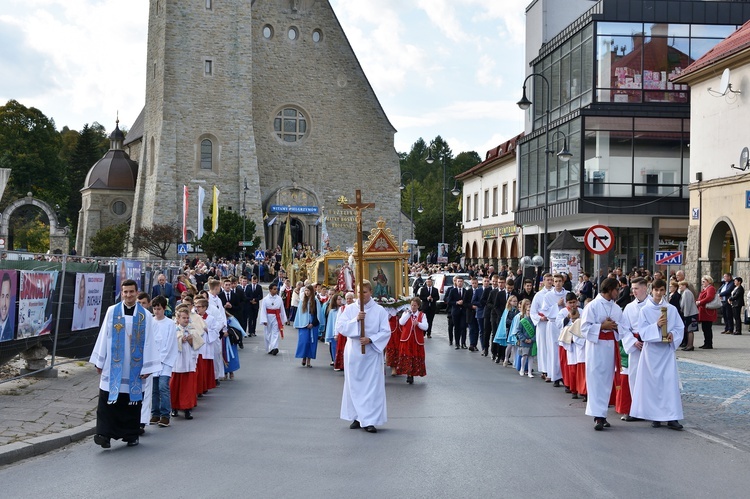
column 564, row 155
column 455, row 191
column 402, row 187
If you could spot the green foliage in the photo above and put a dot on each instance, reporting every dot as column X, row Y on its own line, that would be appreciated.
column 225, row 241
column 88, row 150
column 157, row 239
column 31, row 235
column 428, row 186
column 110, row 241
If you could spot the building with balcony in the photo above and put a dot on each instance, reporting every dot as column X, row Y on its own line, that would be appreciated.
column 603, row 85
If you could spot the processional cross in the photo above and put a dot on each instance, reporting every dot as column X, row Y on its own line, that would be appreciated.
column 358, row 207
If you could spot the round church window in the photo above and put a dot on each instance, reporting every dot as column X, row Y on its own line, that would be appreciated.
column 267, row 32
column 290, row 125
column 119, row 208
column 317, row 36
column 293, row 33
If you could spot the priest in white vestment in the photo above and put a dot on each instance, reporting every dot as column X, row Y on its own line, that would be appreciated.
column 657, row 388
column 273, row 317
column 363, row 400
column 125, row 354
column 540, row 322
column 599, row 324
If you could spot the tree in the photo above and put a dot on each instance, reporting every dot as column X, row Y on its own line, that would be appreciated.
column 87, row 151
column 157, row 239
column 224, row 242
column 110, row 241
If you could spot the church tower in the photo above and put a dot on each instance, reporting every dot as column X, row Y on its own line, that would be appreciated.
column 198, row 125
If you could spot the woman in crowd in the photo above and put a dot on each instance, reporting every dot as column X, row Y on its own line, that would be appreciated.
column 332, row 311
column 689, row 313
column 306, row 322
column 706, row 316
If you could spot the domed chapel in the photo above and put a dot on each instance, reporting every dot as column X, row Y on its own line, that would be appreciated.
column 264, row 99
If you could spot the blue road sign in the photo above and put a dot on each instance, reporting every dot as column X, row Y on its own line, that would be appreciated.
column 668, row 258
column 260, row 255
column 182, row 249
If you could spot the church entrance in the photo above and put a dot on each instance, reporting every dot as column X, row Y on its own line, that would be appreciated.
column 296, row 230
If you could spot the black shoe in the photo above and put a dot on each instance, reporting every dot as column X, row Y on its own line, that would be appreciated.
column 142, row 430
column 606, row 423
column 706, row 347
column 585, row 398
column 556, row 384
column 737, row 333
column 429, row 335
column 274, row 351
column 630, row 418
column 174, row 413
column 598, row 424
column 484, row 353
column 458, row 347
column 497, row 360
column 188, row 415
column 133, row 443
column 450, row 343
column 568, row 390
column 241, row 345
column 103, row 441
column 675, row 425
column 464, row 347
column 656, row 424
column 410, row 380
column 355, row 425
column 371, row 429
column 575, row 396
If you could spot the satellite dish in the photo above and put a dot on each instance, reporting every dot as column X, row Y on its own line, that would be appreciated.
column 724, row 84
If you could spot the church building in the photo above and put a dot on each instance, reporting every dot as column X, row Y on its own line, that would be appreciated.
column 265, row 100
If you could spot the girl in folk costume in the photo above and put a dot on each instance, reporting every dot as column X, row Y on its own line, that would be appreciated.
column 183, row 385
column 411, row 342
column 512, row 348
column 391, row 350
column 526, row 334
column 229, row 350
column 332, row 310
column 503, row 327
column 338, row 361
column 306, row 322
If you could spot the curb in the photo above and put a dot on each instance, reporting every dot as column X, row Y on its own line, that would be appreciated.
column 18, row 451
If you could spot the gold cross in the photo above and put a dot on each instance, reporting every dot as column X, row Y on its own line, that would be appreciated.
column 118, row 326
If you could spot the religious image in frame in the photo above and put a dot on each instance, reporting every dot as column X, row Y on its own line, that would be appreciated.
column 333, row 268
column 382, row 275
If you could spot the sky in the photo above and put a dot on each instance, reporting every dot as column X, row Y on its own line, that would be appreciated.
column 452, row 68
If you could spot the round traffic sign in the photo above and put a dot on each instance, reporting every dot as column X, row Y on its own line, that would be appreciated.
column 599, row 239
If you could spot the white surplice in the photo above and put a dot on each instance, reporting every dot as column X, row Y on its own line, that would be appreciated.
column 216, row 310
column 627, row 328
column 573, row 350
column 364, row 379
column 551, row 308
column 600, row 354
column 537, row 307
column 270, row 323
column 657, row 389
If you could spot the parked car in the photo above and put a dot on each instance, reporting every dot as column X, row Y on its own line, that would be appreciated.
column 443, row 281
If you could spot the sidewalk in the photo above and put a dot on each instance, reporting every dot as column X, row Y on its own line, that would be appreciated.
column 46, row 414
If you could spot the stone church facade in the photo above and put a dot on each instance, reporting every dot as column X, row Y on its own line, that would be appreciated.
column 267, row 101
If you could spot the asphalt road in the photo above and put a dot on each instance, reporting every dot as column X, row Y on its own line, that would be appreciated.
column 471, row 428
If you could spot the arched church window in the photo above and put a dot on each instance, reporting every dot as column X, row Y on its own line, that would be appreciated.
column 206, row 154
column 293, row 33
column 290, row 125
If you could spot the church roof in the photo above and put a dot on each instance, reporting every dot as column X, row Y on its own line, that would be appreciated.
column 114, row 171
column 136, row 130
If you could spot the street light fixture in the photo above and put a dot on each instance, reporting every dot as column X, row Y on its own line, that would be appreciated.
column 455, row 191
column 564, row 155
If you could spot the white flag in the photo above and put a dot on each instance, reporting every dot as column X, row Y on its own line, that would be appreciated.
column 201, row 197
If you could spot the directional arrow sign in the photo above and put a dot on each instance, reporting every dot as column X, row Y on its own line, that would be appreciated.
column 599, row 239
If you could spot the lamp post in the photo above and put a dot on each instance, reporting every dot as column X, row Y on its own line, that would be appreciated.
column 564, row 155
column 244, row 210
column 454, row 191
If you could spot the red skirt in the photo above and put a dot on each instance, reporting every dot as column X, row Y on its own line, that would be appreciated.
column 338, row 363
column 411, row 358
column 623, row 399
column 572, row 371
column 581, row 378
column 206, row 375
column 183, row 388
column 391, row 350
column 563, row 354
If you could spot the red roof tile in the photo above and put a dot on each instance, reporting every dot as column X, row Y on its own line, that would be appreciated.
column 505, row 149
column 734, row 43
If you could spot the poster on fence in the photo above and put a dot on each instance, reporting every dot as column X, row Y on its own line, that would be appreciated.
column 87, row 308
column 35, row 303
column 568, row 261
column 8, row 280
column 127, row 269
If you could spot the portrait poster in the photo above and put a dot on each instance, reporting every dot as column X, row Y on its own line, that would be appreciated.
column 8, row 288
column 127, row 269
column 87, row 305
column 35, row 303
column 382, row 276
column 568, row 261
column 443, row 253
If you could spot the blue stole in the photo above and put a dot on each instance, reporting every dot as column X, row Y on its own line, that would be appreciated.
column 137, row 342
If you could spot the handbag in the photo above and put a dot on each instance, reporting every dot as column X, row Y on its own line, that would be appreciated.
column 714, row 304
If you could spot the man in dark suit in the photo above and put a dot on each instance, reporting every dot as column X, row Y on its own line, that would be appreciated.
column 476, row 314
column 165, row 289
column 501, row 299
column 253, row 296
column 623, row 298
column 459, row 300
column 725, row 291
column 429, row 296
column 229, row 298
column 239, row 312
column 7, row 308
column 488, row 300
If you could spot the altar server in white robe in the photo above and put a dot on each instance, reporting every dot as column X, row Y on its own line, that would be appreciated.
column 273, row 317
column 125, row 354
column 363, row 400
column 554, row 302
column 599, row 325
column 629, row 335
column 657, row 388
column 540, row 322
column 216, row 310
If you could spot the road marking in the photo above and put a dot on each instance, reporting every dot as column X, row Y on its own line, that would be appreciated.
column 734, row 398
column 712, row 438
